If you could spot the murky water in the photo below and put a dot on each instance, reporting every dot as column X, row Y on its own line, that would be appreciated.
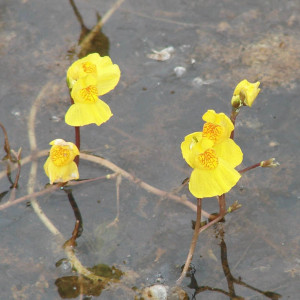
column 218, row 44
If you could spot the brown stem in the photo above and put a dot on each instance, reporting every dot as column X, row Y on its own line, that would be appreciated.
column 250, row 168
column 234, row 114
column 72, row 241
column 77, row 136
column 222, row 213
column 6, row 142
column 226, row 269
column 18, row 159
column 149, row 188
column 77, row 142
column 106, row 163
column 52, row 189
column 193, row 243
column 76, row 212
column 27, row 197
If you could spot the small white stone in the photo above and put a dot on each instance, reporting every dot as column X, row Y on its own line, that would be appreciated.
column 155, row 292
column 179, row 71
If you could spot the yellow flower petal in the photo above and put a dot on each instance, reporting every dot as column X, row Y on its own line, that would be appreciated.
column 247, row 91
column 80, row 114
column 85, row 90
column 61, row 174
column 102, row 68
column 218, row 126
column 108, row 78
column 59, row 166
column 210, row 183
column 229, row 151
column 213, row 156
column 188, row 143
column 193, row 145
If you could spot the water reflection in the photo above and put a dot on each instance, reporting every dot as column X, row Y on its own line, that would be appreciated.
column 231, row 280
column 90, row 40
column 72, row 286
column 78, row 228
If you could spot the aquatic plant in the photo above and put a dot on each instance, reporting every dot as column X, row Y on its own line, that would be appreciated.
column 213, row 155
column 88, row 78
column 60, row 165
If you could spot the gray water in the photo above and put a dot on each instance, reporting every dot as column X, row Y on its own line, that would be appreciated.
column 219, row 43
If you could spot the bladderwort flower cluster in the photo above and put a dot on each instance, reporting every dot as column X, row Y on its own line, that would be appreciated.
column 213, row 155
column 87, row 78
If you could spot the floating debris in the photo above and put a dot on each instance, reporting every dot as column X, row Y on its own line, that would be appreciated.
column 198, row 81
column 179, row 71
column 55, row 118
column 273, row 144
column 155, row 292
column 162, row 55
column 16, row 113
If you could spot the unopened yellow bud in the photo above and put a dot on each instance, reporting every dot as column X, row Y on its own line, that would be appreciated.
column 247, row 92
column 270, row 163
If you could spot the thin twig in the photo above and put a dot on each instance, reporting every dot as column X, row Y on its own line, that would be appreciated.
column 52, row 189
column 222, row 213
column 125, row 174
column 193, row 243
column 140, row 183
column 76, row 212
column 18, row 160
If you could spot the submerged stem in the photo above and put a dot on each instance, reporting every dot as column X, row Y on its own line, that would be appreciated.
column 193, row 243
column 222, row 213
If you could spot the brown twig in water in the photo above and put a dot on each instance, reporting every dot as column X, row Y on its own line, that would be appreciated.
column 52, row 189
column 6, row 143
column 125, row 174
column 18, row 160
column 76, row 212
column 222, row 213
column 108, row 164
column 193, row 243
column 72, row 241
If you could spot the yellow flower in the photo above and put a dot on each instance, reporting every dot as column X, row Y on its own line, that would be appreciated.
column 60, row 165
column 246, row 93
column 213, row 156
column 218, row 127
column 106, row 73
column 87, row 107
column 88, row 78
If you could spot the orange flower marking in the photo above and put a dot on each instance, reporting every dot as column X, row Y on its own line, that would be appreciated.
column 89, row 94
column 208, row 159
column 89, row 67
column 59, row 155
column 212, row 131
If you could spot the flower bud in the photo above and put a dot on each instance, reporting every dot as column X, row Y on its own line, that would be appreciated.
column 246, row 92
column 270, row 163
